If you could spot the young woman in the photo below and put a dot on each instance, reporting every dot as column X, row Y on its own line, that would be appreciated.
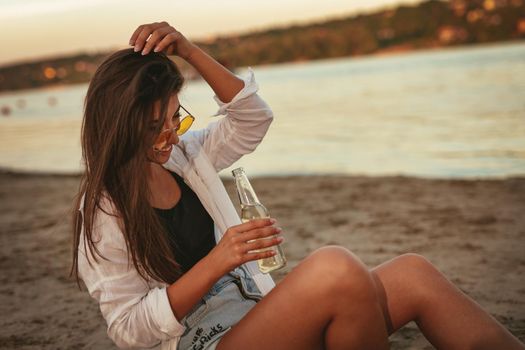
column 159, row 244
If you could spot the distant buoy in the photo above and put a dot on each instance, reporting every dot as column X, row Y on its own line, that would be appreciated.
column 5, row 110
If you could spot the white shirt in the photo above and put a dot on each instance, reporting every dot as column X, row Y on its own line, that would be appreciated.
column 138, row 312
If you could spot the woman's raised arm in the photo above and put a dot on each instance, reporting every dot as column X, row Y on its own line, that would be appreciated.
column 248, row 117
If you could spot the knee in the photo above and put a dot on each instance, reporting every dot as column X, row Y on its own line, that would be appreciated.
column 340, row 271
column 419, row 275
column 416, row 264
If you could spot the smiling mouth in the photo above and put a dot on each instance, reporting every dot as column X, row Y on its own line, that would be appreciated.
column 165, row 151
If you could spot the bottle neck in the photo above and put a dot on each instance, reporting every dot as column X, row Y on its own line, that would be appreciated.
column 245, row 190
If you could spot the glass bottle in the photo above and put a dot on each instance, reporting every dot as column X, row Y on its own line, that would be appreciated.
column 251, row 209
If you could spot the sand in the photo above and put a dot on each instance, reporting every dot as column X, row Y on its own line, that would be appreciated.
column 473, row 231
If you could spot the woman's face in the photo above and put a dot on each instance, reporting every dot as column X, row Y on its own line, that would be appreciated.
column 171, row 121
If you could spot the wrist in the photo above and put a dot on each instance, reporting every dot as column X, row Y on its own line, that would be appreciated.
column 193, row 52
column 213, row 270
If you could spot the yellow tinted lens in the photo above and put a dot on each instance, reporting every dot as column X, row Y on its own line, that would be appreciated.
column 185, row 124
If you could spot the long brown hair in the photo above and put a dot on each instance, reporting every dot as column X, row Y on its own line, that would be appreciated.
column 116, row 135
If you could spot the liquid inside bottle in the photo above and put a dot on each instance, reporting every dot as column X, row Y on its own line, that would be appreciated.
column 252, row 209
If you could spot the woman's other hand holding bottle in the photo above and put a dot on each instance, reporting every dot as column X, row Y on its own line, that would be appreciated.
column 240, row 244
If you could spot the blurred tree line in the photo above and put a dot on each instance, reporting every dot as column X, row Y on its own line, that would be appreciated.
column 429, row 24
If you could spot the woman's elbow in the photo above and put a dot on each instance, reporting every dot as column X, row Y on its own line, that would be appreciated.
column 269, row 115
column 264, row 111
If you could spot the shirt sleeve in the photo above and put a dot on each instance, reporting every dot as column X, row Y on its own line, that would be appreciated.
column 136, row 315
column 247, row 119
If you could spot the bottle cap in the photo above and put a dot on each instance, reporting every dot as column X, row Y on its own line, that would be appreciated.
column 237, row 171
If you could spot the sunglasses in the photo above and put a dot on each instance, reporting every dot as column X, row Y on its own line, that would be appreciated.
column 162, row 142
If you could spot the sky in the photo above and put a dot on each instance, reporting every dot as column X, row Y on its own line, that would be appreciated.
column 32, row 29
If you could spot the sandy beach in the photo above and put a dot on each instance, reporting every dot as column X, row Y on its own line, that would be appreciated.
column 474, row 231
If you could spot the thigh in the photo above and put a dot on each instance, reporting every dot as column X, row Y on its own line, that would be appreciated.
column 291, row 316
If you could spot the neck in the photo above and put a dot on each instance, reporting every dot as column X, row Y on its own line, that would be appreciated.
column 154, row 170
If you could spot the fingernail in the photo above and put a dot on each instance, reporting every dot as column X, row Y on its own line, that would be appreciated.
column 131, row 42
column 280, row 239
column 273, row 221
column 278, row 229
column 136, row 49
column 156, row 49
column 143, row 52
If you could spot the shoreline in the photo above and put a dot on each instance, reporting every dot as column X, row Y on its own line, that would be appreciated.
column 50, row 174
column 399, row 50
column 472, row 230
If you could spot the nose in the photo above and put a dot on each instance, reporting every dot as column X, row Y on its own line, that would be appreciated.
column 174, row 138
column 171, row 125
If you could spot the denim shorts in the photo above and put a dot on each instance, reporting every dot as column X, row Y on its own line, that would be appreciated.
column 220, row 308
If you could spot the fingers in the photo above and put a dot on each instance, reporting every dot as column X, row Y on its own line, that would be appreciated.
column 170, row 50
column 251, row 230
column 258, row 255
column 257, row 241
column 143, row 32
column 167, row 40
column 263, row 243
column 252, row 240
column 135, row 35
column 259, row 233
column 162, row 34
column 253, row 224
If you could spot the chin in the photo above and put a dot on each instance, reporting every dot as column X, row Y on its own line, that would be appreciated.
column 161, row 159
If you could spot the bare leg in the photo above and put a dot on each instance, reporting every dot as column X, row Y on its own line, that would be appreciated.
column 327, row 301
column 411, row 288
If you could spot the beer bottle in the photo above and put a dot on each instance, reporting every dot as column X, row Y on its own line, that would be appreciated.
column 251, row 209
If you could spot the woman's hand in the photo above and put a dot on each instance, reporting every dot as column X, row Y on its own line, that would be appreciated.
column 161, row 37
column 234, row 249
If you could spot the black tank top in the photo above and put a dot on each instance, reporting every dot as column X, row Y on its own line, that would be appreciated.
column 189, row 227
